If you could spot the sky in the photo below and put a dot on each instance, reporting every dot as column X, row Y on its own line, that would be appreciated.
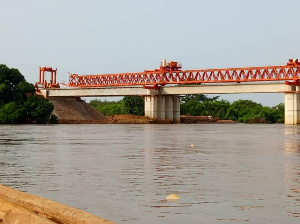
column 117, row 36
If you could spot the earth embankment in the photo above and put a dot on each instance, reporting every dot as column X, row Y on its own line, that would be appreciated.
column 73, row 109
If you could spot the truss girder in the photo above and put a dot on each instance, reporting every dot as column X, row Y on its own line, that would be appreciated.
column 251, row 74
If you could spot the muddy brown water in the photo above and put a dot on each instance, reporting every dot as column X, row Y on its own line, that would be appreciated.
column 223, row 173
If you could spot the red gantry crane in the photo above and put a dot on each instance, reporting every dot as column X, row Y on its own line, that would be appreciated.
column 171, row 73
column 42, row 78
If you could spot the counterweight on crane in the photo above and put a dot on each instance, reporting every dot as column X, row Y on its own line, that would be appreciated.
column 171, row 73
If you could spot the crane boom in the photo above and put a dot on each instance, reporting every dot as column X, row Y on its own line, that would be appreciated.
column 171, row 73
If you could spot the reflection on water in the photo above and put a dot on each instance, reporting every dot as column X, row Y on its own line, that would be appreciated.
column 223, row 173
column 292, row 147
column 292, row 141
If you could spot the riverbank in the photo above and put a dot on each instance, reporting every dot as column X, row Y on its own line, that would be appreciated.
column 20, row 207
column 135, row 119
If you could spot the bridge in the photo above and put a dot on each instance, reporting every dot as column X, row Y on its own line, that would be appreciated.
column 161, row 88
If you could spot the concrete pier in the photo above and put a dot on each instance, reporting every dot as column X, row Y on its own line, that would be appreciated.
column 163, row 107
column 292, row 108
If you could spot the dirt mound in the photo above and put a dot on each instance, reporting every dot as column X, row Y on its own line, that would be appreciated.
column 74, row 109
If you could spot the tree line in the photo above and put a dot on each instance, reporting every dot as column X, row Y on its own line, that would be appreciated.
column 128, row 105
column 18, row 102
column 242, row 111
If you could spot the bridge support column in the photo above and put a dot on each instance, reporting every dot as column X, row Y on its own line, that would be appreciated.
column 176, row 109
column 292, row 108
column 150, row 106
column 169, row 108
column 163, row 107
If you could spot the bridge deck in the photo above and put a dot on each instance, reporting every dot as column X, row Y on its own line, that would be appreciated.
column 170, row 90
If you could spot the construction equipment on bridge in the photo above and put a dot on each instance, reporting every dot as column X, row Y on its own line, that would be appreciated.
column 171, row 73
column 42, row 79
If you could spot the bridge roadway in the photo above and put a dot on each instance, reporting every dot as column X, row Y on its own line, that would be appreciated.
column 164, row 103
column 168, row 90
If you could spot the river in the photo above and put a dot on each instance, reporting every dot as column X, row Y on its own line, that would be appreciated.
column 223, row 173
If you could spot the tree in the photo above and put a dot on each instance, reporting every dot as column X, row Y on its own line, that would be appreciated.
column 23, row 90
column 134, row 105
column 129, row 105
column 192, row 108
column 6, row 94
column 216, row 108
column 273, row 114
column 17, row 101
column 12, row 113
column 244, row 111
column 38, row 109
column 195, row 105
column 198, row 97
column 9, row 78
column 108, row 108
column 279, row 112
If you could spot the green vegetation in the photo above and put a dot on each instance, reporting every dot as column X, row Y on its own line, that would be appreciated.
column 18, row 104
column 134, row 105
column 129, row 105
column 201, row 105
column 244, row 111
column 109, row 108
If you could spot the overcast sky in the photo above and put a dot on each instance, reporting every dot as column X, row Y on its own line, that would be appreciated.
column 97, row 37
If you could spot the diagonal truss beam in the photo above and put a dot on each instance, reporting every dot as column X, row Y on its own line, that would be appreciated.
column 291, row 71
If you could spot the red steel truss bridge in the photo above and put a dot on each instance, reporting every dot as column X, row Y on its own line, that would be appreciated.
column 171, row 73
